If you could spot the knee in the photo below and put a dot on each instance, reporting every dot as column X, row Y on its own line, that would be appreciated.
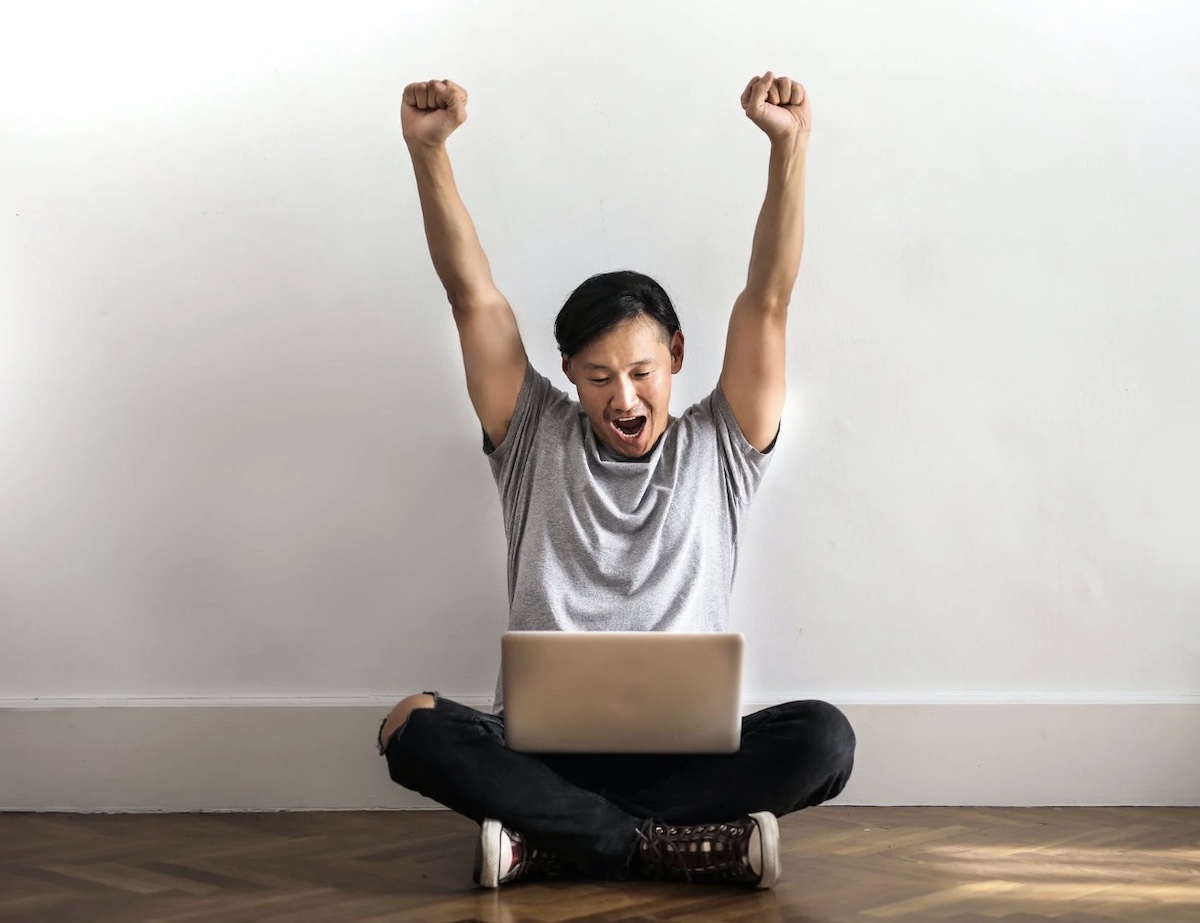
column 826, row 729
column 839, row 733
column 399, row 715
column 823, row 749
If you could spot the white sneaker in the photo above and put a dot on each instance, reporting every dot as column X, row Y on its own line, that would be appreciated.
column 502, row 856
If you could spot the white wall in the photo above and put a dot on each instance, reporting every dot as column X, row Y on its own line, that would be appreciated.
column 236, row 454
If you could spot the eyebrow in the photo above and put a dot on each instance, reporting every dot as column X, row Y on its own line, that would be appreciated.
column 595, row 366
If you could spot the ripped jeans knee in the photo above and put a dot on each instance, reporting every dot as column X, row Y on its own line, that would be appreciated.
column 380, row 744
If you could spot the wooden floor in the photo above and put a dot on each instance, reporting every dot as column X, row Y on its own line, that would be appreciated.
column 1080, row 865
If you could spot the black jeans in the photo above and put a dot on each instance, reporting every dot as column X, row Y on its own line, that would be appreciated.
column 587, row 808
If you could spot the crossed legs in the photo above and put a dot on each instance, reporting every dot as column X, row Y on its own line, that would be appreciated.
column 589, row 808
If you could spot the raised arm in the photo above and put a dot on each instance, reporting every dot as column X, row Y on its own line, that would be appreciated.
column 493, row 354
column 753, row 377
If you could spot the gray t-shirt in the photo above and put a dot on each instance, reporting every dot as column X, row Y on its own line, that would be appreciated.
column 597, row 542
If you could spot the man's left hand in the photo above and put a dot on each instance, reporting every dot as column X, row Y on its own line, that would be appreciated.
column 779, row 106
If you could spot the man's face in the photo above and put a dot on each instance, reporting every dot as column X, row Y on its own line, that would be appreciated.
column 624, row 383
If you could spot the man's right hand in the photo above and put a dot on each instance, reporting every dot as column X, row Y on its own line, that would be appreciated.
column 432, row 110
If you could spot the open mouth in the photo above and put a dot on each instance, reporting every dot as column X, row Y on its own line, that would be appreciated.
column 628, row 429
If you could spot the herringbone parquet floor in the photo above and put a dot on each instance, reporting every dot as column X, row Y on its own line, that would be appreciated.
column 1077, row 865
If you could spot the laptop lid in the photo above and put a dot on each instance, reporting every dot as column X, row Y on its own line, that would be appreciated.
column 622, row 692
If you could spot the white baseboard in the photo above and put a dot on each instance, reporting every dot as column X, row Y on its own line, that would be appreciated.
column 318, row 754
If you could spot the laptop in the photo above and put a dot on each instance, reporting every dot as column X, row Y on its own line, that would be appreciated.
column 621, row 692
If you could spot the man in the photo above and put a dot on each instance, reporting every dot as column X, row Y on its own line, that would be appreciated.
column 620, row 517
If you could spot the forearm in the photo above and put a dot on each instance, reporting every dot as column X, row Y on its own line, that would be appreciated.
column 458, row 256
column 779, row 234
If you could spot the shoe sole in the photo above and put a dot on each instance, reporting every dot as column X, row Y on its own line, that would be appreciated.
column 489, row 847
column 768, row 836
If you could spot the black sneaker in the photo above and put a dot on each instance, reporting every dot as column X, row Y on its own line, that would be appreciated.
column 503, row 856
column 742, row 852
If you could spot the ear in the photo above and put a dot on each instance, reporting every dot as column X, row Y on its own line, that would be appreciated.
column 566, row 366
column 676, row 352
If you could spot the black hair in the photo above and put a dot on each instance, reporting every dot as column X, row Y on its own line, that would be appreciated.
column 608, row 299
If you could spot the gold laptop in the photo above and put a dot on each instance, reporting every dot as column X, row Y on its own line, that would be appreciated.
column 621, row 692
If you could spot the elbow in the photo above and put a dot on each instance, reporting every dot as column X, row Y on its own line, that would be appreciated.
column 467, row 304
column 463, row 301
column 771, row 302
column 460, row 306
column 777, row 306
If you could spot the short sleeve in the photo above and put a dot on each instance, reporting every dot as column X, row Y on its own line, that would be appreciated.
column 742, row 464
column 508, row 459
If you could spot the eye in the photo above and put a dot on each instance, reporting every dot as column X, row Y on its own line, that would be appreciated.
column 641, row 374
column 598, row 381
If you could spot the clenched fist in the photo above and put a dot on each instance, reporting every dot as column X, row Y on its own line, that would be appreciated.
column 777, row 105
column 432, row 110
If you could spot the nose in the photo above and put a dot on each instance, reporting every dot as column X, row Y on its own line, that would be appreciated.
column 626, row 396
